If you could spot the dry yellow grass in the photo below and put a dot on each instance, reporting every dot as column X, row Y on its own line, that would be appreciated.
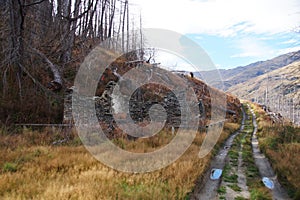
column 40, row 171
column 286, row 159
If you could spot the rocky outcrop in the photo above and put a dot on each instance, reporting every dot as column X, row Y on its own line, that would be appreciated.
column 142, row 100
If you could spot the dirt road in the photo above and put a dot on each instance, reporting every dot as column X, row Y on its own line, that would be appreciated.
column 206, row 189
column 236, row 167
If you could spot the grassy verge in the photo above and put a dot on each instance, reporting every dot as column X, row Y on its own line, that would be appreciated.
column 233, row 159
column 229, row 172
column 281, row 144
column 32, row 168
column 229, row 176
column 256, row 187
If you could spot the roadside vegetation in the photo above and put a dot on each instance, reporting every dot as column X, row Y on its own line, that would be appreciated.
column 281, row 144
column 40, row 164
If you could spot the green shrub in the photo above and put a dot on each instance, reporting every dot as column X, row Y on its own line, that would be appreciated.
column 222, row 190
column 235, row 187
column 9, row 167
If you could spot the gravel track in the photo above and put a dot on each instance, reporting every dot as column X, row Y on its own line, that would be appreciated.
column 206, row 189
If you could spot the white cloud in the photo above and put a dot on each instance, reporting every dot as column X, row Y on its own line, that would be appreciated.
column 221, row 17
column 261, row 21
column 288, row 50
column 171, row 61
column 251, row 47
column 218, row 66
column 291, row 41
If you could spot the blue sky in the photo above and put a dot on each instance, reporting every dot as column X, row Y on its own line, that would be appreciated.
column 243, row 49
column 232, row 32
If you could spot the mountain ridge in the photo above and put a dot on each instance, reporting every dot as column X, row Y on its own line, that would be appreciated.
column 242, row 74
column 278, row 89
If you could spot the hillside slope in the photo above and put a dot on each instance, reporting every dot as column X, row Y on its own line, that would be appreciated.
column 149, row 94
column 238, row 75
column 156, row 86
column 278, row 89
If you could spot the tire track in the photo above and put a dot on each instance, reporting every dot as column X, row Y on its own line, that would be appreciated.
column 264, row 165
column 206, row 189
column 234, row 182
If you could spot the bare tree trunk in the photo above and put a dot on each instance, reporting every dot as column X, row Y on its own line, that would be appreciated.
column 142, row 53
column 96, row 23
column 120, row 20
column 73, row 27
column 66, row 29
column 86, row 21
column 123, row 26
column 134, row 39
column 127, row 49
column 90, row 30
column 105, row 25
column 81, row 22
column 113, row 8
column 16, row 23
column 102, row 19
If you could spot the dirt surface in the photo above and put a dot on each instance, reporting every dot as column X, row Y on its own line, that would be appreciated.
column 242, row 182
column 238, row 170
column 206, row 189
column 264, row 165
column 235, row 167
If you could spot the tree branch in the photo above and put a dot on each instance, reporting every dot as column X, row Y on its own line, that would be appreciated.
column 57, row 82
column 79, row 16
column 36, row 82
column 34, row 3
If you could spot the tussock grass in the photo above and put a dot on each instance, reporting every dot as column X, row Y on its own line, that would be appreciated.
column 68, row 171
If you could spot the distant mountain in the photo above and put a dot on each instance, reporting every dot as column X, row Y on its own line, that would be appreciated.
column 278, row 89
column 232, row 77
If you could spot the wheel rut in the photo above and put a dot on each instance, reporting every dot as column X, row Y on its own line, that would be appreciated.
column 234, row 181
column 207, row 189
column 235, row 167
column 264, row 166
